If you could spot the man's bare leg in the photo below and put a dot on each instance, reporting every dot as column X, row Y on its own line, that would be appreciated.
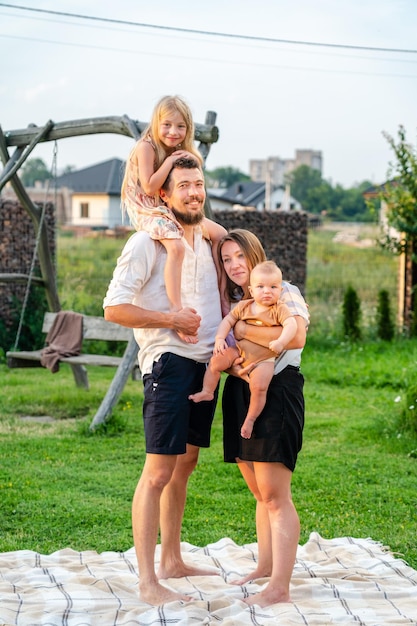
column 171, row 515
column 156, row 473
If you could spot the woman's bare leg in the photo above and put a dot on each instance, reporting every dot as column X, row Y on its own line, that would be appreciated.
column 263, row 531
column 274, row 483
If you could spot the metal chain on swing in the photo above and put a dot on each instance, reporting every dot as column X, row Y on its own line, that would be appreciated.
column 37, row 241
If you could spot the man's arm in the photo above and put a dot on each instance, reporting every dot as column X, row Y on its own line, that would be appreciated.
column 186, row 320
column 263, row 335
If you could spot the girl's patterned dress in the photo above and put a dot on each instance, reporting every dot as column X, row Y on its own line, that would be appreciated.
column 148, row 213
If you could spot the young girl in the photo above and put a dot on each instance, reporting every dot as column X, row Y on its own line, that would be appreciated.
column 169, row 136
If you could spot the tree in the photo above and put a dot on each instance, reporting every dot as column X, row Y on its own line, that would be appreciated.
column 34, row 170
column 224, row 176
column 318, row 196
column 350, row 205
column 400, row 196
column 303, row 181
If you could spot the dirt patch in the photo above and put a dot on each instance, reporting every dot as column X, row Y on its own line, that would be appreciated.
column 41, row 419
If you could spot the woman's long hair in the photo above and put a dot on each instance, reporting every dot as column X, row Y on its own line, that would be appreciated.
column 253, row 252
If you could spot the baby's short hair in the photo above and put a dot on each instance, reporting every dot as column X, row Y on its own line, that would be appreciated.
column 267, row 267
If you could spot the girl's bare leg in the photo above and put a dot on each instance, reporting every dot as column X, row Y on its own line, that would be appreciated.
column 172, row 275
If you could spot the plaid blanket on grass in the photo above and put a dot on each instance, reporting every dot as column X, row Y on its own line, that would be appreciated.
column 335, row 581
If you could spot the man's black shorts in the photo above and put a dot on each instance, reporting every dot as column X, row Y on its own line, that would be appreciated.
column 171, row 420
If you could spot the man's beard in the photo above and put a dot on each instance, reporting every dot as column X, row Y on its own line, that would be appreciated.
column 189, row 219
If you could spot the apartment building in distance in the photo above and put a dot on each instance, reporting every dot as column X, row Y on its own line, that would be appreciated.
column 272, row 170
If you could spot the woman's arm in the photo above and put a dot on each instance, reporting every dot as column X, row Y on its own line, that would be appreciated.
column 263, row 335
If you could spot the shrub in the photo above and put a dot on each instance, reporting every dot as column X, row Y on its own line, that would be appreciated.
column 31, row 336
column 385, row 325
column 408, row 419
column 351, row 309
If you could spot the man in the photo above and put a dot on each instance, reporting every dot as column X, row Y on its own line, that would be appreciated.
column 175, row 428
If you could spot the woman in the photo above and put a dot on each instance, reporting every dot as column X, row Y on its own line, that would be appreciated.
column 268, row 458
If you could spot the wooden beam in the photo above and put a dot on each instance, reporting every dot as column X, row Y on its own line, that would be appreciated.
column 20, row 278
column 113, row 124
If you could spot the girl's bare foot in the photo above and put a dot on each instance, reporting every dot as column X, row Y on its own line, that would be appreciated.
column 187, row 338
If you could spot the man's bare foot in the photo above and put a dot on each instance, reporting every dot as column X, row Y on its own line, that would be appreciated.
column 202, row 396
column 156, row 594
column 187, row 338
column 181, row 570
column 267, row 597
column 252, row 576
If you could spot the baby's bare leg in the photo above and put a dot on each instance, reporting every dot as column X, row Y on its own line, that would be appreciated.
column 218, row 364
column 259, row 380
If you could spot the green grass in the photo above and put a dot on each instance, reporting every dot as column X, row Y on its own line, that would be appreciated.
column 62, row 486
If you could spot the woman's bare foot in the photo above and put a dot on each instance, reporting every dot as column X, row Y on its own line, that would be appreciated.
column 202, row 396
column 268, row 596
column 156, row 594
column 252, row 576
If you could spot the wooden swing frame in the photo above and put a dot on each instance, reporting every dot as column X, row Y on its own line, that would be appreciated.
column 24, row 141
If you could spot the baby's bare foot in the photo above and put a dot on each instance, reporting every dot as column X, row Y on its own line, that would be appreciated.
column 202, row 396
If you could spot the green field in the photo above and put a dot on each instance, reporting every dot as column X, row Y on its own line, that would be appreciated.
column 62, row 486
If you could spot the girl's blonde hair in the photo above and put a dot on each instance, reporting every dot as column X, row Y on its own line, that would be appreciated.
column 166, row 106
column 253, row 252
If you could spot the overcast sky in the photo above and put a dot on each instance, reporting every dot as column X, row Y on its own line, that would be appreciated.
column 270, row 97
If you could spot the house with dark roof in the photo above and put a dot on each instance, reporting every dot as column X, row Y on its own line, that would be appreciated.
column 253, row 195
column 93, row 195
